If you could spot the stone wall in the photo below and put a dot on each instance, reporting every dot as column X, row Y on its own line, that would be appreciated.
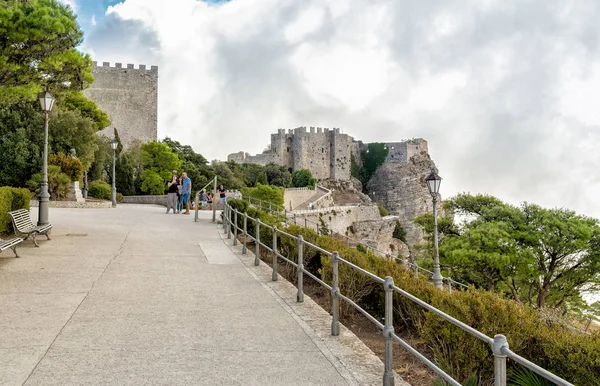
column 149, row 200
column 326, row 153
column 378, row 235
column 294, row 197
column 129, row 96
column 339, row 218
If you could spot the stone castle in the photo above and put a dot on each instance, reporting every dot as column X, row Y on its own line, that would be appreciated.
column 129, row 96
column 327, row 153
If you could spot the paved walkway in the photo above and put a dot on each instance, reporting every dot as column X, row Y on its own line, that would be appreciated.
column 134, row 296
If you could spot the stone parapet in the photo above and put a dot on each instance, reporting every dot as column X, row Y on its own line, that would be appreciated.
column 146, row 200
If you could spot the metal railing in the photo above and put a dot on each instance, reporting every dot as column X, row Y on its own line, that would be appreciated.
column 214, row 204
column 450, row 283
column 264, row 205
column 499, row 344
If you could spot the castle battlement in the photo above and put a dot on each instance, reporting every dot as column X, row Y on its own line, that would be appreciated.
column 130, row 66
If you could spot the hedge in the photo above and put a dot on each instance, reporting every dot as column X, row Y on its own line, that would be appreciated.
column 11, row 199
column 100, row 189
column 573, row 356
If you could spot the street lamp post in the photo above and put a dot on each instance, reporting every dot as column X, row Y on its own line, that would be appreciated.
column 113, row 144
column 433, row 184
column 46, row 101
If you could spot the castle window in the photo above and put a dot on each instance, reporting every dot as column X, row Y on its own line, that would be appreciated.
column 322, row 150
column 288, row 149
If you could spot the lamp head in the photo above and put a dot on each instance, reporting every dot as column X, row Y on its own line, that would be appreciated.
column 433, row 183
column 46, row 101
column 114, row 144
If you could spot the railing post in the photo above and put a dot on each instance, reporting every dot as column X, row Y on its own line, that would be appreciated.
column 244, row 250
column 270, row 210
column 335, row 301
column 228, row 223
column 300, row 296
column 197, row 205
column 499, row 360
column 449, row 285
column 235, row 227
column 274, row 274
column 257, row 246
column 225, row 211
column 305, row 223
column 388, row 330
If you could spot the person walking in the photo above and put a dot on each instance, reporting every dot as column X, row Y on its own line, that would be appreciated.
column 173, row 187
column 180, row 195
column 187, row 191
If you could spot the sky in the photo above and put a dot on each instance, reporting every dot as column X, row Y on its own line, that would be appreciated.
column 506, row 93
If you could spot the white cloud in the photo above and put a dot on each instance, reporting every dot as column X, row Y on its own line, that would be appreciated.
column 505, row 95
column 71, row 3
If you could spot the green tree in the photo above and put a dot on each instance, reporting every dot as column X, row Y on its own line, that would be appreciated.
column 159, row 161
column 71, row 130
column 254, row 174
column 21, row 139
column 268, row 193
column 372, row 157
column 302, row 178
column 545, row 257
column 225, row 176
column 38, row 50
column 278, row 175
column 76, row 101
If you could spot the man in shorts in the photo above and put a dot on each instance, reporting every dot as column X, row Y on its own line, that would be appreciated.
column 186, row 191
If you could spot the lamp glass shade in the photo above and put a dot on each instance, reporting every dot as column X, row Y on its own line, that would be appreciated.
column 433, row 183
column 114, row 144
column 46, row 101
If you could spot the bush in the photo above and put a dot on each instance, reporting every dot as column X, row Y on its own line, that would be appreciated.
column 58, row 183
column 399, row 232
column 119, row 197
column 571, row 355
column 100, row 189
column 69, row 165
column 302, row 178
column 268, row 193
column 382, row 211
column 11, row 199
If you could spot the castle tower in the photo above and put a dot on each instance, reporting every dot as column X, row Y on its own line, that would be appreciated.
column 130, row 98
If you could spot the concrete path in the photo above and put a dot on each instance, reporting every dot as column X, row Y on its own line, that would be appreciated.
column 131, row 296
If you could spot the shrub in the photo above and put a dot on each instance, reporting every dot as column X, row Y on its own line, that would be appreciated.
column 58, row 183
column 11, row 199
column 268, row 193
column 565, row 353
column 69, row 165
column 99, row 189
column 382, row 211
column 302, row 178
column 119, row 197
column 399, row 232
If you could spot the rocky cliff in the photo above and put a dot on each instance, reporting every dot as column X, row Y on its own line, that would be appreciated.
column 400, row 186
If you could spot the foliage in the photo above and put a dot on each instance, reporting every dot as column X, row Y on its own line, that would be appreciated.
column 525, row 377
column 372, row 157
column 11, row 199
column 100, row 189
column 58, row 183
column 544, row 257
column 399, row 232
column 382, row 211
column 226, row 176
column 39, row 50
column 278, row 175
column 267, row 193
column 254, row 175
column 71, row 130
column 152, row 183
column 69, row 165
column 21, row 141
column 124, row 175
column 471, row 381
column 323, row 229
column 102, row 159
column 194, row 164
column 302, row 178
column 159, row 162
column 76, row 101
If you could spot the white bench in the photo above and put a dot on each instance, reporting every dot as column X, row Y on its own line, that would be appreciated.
column 24, row 226
column 12, row 244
